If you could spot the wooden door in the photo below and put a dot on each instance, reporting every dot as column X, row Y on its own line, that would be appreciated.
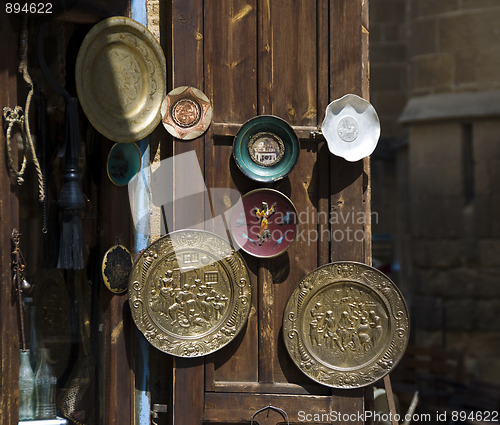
column 287, row 58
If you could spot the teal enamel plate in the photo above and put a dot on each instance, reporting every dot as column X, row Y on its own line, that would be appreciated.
column 124, row 161
column 266, row 148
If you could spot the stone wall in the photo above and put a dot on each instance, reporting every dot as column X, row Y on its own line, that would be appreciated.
column 442, row 60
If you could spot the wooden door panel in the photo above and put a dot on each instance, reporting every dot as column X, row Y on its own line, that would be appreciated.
column 270, row 57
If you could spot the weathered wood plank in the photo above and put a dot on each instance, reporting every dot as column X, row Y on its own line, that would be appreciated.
column 118, row 378
column 187, row 51
column 9, row 342
column 230, row 70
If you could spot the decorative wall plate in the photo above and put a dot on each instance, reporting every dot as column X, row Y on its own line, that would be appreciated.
column 351, row 127
column 124, row 162
column 116, row 267
column 190, row 293
column 346, row 325
column 186, row 112
column 266, row 148
column 121, row 79
column 264, row 224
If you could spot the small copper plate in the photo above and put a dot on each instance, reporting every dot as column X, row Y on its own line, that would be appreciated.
column 346, row 325
column 190, row 293
column 186, row 112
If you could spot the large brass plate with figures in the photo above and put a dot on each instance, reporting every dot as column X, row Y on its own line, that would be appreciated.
column 346, row 325
column 189, row 293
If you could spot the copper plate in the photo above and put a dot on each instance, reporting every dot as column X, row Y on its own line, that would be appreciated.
column 346, row 325
column 190, row 293
column 186, row 112
column 116, row 266
column 121, row 79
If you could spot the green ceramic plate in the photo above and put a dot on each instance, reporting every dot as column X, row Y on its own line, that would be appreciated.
column 266, row 148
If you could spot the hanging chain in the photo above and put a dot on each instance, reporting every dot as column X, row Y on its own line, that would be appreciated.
column 18, row 266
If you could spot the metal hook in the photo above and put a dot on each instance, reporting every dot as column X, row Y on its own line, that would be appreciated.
column 277, row 409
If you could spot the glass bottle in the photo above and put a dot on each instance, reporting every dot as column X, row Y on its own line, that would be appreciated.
column 26, row 387
column 45, row 388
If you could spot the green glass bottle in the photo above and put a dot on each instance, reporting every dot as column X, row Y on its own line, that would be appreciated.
column 26, row 387
column 45, row 388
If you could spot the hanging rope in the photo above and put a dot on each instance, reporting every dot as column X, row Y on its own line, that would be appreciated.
column 15, row 116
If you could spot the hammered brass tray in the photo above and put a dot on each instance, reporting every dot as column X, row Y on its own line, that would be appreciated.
column 121, row 79
column 346, row 325
column 190, row 293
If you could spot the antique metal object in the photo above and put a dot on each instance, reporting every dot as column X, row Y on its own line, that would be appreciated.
column 266, row 148
column 116, row 267
column 186, row 112
column 190, row 293
column 346, row 325
column 121, row 79
column 351, row 127
column 124, row 161
column 264, row 224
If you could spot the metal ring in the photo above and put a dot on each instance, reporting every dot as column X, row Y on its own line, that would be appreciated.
column 277, row 409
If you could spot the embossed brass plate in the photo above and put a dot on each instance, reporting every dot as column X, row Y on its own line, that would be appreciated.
column 121, row 79
column 189, row 293
column 346, row 325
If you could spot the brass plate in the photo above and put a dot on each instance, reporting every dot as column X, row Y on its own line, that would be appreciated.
column 190, row 293
column 121, row 79
column 346, row 325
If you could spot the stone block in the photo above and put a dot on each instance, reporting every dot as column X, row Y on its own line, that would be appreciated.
column 489, row 252
column 446, row 253
column 479, row 4
column 436, row 143
column 433, row 7
column 460, row 314
column 437, row 253
column 486, row 136
column 384, row 11
column 435, row 180
column 483, row 217
column 428, row 313
column 437, row 217
column 488, row 64
column 394, row 52
column 487, row 311
column 423, row 37
column 466, row 66
column 419, row 252
column 388, row 77
column 494, row 215
column 478, row 30
column 433, row 72
column 389, row 103
column 394, row 31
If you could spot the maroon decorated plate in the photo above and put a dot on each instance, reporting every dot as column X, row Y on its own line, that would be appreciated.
column 265, row 223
